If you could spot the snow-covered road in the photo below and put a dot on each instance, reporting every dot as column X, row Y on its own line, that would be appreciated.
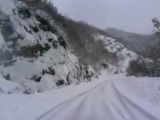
column 106, row 98
column 111, row 100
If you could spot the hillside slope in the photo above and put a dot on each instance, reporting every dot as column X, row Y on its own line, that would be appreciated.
column 42, row 50
column 34, row 50
column 145, row 45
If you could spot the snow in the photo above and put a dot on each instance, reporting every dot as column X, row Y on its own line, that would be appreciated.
column 1, row 40
column 7, row 6
column 113, row 97
column 30, row 107
column 124, row 55
column 23, row 70
column 8, row 87
column 25, row 66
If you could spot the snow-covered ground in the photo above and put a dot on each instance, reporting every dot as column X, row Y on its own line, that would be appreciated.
column 50, row 65
column 109, row 97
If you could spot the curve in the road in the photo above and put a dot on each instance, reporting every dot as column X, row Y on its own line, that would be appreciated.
column 103, row 102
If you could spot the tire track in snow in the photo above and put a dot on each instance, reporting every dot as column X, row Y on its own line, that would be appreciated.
column 127, row 102
column 69, row 100
column 105, row 101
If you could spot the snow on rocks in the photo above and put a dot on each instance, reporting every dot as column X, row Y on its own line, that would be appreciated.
column 9, row 87
column 123, row 54
column 36, row 54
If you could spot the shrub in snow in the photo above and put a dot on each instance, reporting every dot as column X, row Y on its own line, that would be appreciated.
column 140, row 67
column 50, row 71
column 7, row 76
column 36, row 78
column 24, row 12
column 137, row 69
column 60, row 82
column 55, row 44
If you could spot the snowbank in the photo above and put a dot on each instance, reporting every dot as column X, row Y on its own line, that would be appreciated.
column 143, row 92
column 31, row 107
column 8, row 87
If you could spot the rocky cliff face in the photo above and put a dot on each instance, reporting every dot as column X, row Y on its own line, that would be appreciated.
column 34, row 50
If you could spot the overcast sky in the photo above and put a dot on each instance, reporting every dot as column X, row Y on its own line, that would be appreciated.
column 129, row 15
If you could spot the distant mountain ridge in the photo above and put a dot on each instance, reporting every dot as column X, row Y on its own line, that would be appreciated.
column 145, row 45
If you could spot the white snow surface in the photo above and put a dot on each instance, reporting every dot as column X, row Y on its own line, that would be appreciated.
column 8, row 87
column 106, row 98
column 124, row 55
column 7, row 6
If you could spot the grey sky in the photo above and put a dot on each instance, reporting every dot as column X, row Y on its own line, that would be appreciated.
column 129, row 15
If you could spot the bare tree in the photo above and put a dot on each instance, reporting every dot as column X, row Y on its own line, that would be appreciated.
column 156, row 23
